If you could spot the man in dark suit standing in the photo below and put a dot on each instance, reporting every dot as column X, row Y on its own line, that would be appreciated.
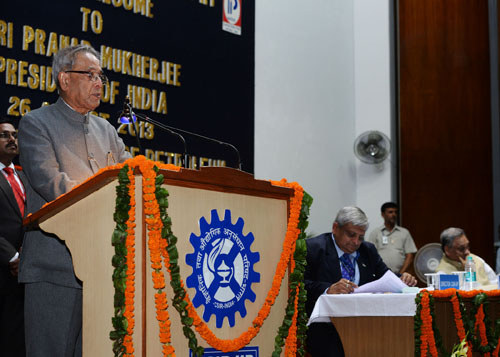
column 12, row 199
column 338, row 262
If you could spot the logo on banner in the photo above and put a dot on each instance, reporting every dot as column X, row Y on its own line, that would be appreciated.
column 231, row 16
column 222, row 265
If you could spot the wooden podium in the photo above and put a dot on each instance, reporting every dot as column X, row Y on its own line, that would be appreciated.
column 83, row 218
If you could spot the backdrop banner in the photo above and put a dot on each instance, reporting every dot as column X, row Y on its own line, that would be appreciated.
column 188, row 64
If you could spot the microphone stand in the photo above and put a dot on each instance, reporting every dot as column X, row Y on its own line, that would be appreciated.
column 136, row 128
column 167, row 129
column 174, row 131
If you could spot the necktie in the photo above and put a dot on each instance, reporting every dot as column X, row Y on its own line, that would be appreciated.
column 18, row 193
column 347, row 267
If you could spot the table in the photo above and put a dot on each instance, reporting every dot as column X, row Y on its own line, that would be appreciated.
column 370, row 324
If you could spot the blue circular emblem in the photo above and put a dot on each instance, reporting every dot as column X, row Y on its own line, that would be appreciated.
column 222, row 268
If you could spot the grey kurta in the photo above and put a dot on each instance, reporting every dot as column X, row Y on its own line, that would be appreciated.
column 59, row 148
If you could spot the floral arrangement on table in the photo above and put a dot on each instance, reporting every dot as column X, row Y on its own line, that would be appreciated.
column 474, row 328
column 461, row 349
column 162, row 245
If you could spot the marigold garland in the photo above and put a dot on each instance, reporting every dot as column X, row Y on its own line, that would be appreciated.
column 427, row 332
column 183, row 304
column 130, row 280
column 291, row 340
column 124, row 316
column 158, row 226
column 474, row 327
column 286, row 256
column 154, row 225
column 459, row 322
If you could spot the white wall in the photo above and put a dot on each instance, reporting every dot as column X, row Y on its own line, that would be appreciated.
column 372, row 101
column 314, row 94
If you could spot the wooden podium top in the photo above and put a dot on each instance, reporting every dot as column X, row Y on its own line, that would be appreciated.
column 221, row 179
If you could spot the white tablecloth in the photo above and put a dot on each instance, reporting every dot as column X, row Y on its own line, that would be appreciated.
column 362, row 305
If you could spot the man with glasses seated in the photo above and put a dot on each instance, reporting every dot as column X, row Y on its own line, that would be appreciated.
column 456, row 249
column 338, row 262
column 61, row 146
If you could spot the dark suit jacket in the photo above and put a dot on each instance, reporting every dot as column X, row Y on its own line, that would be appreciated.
column 11, row 232
column 323, row 267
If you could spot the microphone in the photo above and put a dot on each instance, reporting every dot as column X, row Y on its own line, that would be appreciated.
column 168, row 130
column 210, row 139
column 126, row 116
column 128, row 113
column 176, row 130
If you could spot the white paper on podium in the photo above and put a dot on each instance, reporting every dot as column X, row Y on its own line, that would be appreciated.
column 388, row 283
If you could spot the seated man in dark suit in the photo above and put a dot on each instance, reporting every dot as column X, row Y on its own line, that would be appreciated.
column 338, row 262
column 12, row 201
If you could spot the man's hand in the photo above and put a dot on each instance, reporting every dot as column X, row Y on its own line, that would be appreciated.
column 14, row 267
column 462, row 261
column 342, row 286
column 408, row 279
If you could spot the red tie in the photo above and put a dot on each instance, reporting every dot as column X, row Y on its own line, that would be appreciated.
column 18, row 193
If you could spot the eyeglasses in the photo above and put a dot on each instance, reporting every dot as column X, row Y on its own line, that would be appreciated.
column 8, row 134
column 93, row 76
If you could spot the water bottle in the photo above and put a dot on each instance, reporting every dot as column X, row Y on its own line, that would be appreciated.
column 470, row 274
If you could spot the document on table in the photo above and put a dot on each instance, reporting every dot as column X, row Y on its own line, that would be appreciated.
column 388, row 283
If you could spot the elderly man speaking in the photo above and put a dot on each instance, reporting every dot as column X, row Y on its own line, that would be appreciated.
column 61, row 146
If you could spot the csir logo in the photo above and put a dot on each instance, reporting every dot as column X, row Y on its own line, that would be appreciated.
column 222, row 268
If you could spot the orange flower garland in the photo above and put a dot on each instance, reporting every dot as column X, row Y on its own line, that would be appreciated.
column 479, row 325
column 286, row 257
column 154, row 225
column 155, row 244
column 459, row 322
column 157, row 247
column 495, row 352
column 130, row 281
column 291, row 340
column 427, row 335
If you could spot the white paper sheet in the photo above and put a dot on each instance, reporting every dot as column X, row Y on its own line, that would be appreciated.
column 388, row 283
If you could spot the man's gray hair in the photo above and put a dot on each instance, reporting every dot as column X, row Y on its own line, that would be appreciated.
column 353, row 215
column 66, row 57
column 449, row 235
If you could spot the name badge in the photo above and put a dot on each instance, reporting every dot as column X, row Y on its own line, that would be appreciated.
column 385, row 240
column 448, row 281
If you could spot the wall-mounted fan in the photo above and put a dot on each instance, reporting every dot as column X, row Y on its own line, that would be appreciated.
column 427, row 260
column 372, row 147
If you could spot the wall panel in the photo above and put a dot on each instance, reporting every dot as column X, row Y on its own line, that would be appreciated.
column 444, row 120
